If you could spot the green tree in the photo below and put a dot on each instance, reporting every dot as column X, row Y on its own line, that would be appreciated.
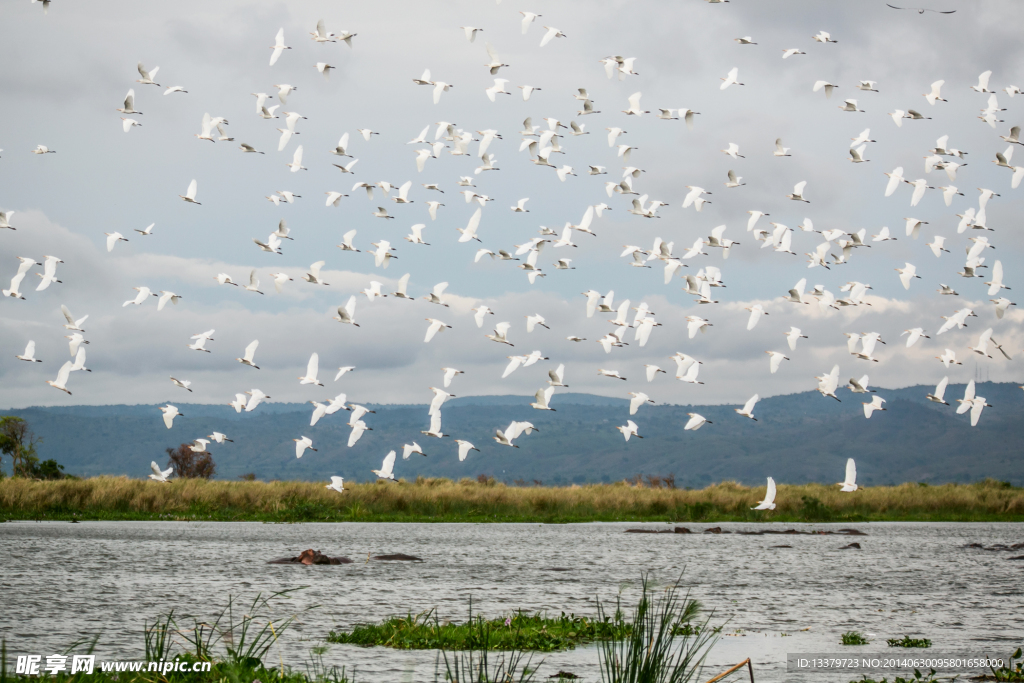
column 19, row 443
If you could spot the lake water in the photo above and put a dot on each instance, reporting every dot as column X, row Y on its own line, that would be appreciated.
column 62, row 581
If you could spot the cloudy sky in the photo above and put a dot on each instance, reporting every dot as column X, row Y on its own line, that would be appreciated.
column 67, row 71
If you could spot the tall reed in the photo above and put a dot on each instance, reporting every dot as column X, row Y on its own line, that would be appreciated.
column 653, row 652
column 470, row 500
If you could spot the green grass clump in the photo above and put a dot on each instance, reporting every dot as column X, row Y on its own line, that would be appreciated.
column 1013, row 672
column 517, row 631
column 907, row 641
column 854, row 638
column 917, row 678
column 653, row 653
column 649, row 651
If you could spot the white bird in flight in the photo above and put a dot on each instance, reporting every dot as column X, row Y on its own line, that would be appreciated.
column 302, row 444
column 160, row 475
column 849, row 483
column 387, row 468
column 278, row 47
column 769, row 497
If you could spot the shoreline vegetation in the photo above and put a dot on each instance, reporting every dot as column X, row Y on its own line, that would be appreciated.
column 661, row 639
column 485, row 500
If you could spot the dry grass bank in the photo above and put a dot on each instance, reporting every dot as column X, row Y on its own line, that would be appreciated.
column 470, row 500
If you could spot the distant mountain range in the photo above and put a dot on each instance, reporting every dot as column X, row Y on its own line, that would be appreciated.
column 798, row 438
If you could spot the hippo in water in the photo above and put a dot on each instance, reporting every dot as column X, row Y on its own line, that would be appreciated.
column 311, row 557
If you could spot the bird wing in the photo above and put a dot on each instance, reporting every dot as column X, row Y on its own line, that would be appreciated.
column 770, row 494
column 250, row 350
column 67, row 314
column 191, row 192
column 940, row 388
column 435, row 325
column 798, row 189
column 977, row 405
column 748, row 407
column 313, row 367
column 156, row 468
column 388, row 466
column 851, row 472
column 64, row 373
column 474, row 222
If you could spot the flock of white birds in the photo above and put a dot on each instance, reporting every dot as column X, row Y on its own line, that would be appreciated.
column 539, row 145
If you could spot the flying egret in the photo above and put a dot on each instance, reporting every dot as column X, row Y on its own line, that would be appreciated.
column 730, row 79
column 143, row 294
column 541, row 400
column 449, row 375
column 160, row 475
column 829, row 87
column 849, row 483
column 302, row 444
column 190, row 194
column 827, row 384
column 296, row 164
column 147, row 76
column 501, row 333
column 629, row 429
column 792, row 336
column 434, row 327
column 638, row 399
column 312, row 368
column 346, row 313
column 464, row 448
column 769, row 497
column 170, row 412
column 551, row 34
column 913, row 335
column 875, row 404
column 337, row 484
column 358, row 427
column 30, row 353
column 62, row 378
column 435, row 427
column 113, row 238
column 278, row 47
column 798, row 192
column 748, row 408
column 387, row 468
column 907, row 273
column 250, row 352
column 756, row 311
column 652, row 371
column 184, row 384
column 940, row 390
